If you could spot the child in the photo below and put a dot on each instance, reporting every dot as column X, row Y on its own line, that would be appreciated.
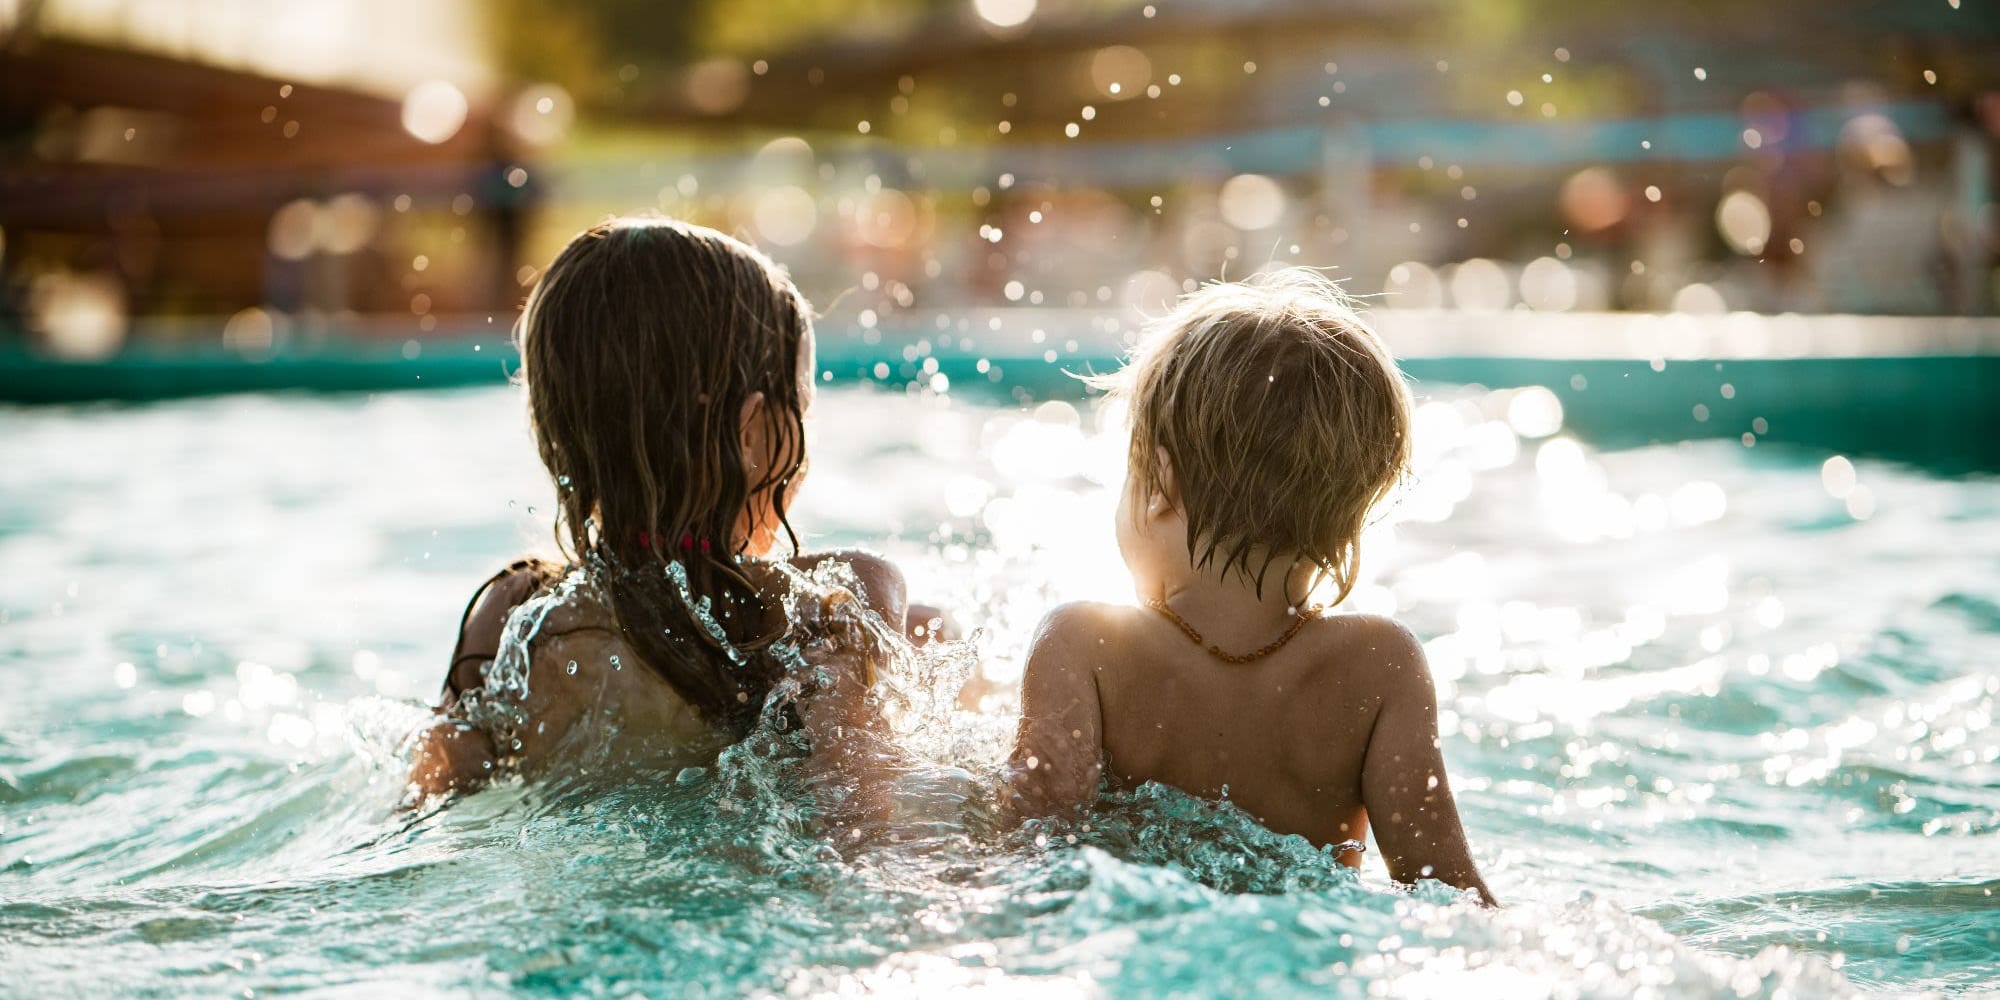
column 669, row 371
column 1266, row 421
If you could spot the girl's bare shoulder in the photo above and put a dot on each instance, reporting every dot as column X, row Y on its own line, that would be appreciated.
column 483, row 627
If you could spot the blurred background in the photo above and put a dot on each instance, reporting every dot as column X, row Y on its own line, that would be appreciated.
column 1702, row 531
column 201, row 196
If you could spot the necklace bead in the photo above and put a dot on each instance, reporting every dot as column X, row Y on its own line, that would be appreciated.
column 1299, row 619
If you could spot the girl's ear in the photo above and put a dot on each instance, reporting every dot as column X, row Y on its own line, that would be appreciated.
column 1168, row 496
column 754, row 438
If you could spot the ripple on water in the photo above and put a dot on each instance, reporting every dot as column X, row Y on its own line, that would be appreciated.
column 1704, row 748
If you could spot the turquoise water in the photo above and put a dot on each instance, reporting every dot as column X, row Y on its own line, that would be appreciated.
column 1721, row 720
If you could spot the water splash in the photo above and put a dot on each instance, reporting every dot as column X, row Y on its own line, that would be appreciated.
column 150, row 848
column 499, row 704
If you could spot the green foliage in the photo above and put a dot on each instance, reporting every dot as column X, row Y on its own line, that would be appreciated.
column 752, row 28
column 583, row 46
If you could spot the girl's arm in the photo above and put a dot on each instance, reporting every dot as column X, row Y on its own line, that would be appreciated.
column 881, row 582
column 1403, row 781
column 882, row 585
column 853, row 752
column 451, row 755
column 1058, row 757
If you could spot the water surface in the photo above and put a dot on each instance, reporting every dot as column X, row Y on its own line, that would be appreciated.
column 1720, row 719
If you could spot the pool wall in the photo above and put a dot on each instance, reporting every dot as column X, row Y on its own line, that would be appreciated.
column 1919, row 389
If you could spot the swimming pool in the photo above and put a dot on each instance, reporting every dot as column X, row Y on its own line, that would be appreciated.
column 1720, row 720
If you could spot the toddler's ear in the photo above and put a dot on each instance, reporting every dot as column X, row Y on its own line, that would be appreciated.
column 1168, row 496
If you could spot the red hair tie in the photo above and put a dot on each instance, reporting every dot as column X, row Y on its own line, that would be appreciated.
column 687, row 541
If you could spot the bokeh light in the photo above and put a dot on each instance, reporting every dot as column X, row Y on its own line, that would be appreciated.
column 717, row 86
column 1120, row 72
column 1252, row 201
column 1744, row 222
column 1593, row 199
column 292, row 232
column 542, row 114
column 81, row 317
column 250, row 331
column 1004, row 13
column 1480, row 285
column 346, row 224
column 886, row 218
column 1413, row 285
column 1875, row 144
column 1548, row 285
column 786, row 215
column 434, row 111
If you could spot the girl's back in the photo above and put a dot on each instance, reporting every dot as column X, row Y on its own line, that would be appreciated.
column 541, row 678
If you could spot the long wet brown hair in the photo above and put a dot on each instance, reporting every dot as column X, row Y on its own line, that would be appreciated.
column 640, row 345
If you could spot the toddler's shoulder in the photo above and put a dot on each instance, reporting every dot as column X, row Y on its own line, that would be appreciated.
column 1379, row 651
column 1081, row 623
column 1384, row 649
column 1377, row 632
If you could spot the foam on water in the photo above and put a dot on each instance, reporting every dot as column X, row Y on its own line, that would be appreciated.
column 1713, row 735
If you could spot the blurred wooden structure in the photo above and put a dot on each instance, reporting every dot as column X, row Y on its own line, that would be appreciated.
column 168, row 175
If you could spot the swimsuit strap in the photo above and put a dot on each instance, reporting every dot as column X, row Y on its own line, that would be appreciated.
column 541, row 571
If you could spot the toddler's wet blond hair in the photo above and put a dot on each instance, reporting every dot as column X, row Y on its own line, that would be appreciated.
column 1282, row 415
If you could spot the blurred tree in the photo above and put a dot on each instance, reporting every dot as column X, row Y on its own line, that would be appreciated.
column 583, row 47
column 751, row 28
column 586, row 47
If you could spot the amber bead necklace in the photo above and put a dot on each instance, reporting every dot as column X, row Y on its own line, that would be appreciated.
column 1299, row 620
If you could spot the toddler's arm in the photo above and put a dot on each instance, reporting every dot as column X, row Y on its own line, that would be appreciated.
column 1058, row 756
column 1403, row 782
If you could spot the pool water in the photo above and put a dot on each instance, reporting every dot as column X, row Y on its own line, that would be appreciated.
column 1720, row 719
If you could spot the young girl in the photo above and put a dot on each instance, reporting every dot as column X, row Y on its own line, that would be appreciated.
column 669, row 371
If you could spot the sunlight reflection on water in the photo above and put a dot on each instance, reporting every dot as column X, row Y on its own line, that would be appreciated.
column 1690, row 682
